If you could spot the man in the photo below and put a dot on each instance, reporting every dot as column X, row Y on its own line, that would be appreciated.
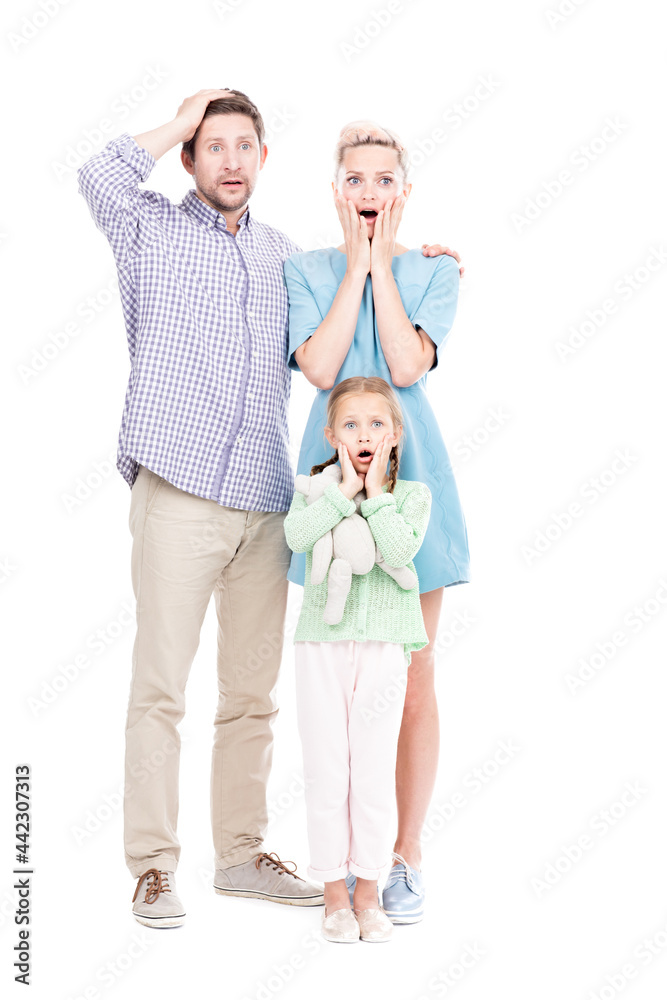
column 204, row 445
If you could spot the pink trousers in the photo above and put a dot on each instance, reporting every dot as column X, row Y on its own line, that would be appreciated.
column 350, row 699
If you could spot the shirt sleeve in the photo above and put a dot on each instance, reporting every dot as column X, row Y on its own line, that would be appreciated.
column 437, row 309
column 399, row 529
column 305, row 523
column 109, row 182
column 304, row 313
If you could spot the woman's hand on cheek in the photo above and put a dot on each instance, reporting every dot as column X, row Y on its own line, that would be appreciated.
column 355, row 233
column 383, row 243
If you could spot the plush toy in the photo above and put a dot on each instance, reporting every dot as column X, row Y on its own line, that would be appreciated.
column 349, row 548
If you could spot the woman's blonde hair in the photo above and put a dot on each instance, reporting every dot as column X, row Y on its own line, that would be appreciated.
column 367, row 133
column 354, row 387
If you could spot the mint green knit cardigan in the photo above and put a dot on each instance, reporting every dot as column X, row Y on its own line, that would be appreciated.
column 377, row 608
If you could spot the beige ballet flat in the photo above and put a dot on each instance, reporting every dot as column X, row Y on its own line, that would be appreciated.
column 340, row 926
column 374, row 925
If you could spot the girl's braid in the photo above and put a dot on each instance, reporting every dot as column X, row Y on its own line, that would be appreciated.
column 318, row 468
column 393, row 469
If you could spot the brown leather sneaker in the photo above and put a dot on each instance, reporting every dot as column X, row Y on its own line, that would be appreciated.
column 266, row 877
column 157, row 905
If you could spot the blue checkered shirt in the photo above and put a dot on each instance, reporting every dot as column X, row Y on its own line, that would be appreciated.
column 206, row 315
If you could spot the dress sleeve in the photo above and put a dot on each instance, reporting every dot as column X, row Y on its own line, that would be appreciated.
column 437, row 309
column 304, row 313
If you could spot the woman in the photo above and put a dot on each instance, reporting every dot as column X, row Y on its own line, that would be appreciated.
column 373, row 307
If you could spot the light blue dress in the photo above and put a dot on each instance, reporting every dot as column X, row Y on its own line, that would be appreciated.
column 429, row 290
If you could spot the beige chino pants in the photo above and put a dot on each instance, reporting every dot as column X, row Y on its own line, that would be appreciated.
column 186, row 548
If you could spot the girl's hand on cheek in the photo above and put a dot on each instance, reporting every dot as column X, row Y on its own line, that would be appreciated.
column 378, row 467
column 352, row 482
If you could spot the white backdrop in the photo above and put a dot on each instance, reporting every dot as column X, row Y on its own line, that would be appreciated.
column 537, row 134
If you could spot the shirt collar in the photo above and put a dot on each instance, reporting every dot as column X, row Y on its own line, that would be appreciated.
column 210, row 217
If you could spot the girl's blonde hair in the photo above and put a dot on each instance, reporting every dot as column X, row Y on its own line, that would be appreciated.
column 354, row 387
column 367, row 133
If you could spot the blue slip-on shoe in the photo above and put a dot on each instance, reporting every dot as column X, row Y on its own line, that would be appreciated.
column 403, row 896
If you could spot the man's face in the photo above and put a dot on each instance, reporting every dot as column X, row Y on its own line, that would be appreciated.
column 227, row 161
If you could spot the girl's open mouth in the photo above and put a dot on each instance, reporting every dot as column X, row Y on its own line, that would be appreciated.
column 365, row 456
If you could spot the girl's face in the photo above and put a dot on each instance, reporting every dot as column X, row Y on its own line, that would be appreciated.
column 369, row 177
column 360, row 424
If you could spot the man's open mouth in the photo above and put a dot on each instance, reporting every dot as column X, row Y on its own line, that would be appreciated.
column 368, row 213
column 234, row 183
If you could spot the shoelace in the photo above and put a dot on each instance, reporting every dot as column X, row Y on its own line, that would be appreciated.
column 274, row 862
column 156, row 882
column 406, row 874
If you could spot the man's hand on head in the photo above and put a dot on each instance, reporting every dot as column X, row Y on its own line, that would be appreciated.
column 191, row 111
column 435, row 250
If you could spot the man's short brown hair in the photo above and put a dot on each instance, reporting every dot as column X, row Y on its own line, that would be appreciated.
column 240, row 104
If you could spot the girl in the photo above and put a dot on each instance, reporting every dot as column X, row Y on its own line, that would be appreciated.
column 374, row 306
column 347, row 674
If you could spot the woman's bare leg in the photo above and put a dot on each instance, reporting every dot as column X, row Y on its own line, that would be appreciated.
column 419, row 740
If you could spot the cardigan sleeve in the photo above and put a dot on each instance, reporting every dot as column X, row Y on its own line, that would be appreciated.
column 306, row 523
column 399, row 529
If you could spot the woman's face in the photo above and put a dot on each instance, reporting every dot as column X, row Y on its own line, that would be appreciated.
column 369, row 177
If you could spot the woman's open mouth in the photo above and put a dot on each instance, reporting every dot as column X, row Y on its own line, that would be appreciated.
column 369, row 214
